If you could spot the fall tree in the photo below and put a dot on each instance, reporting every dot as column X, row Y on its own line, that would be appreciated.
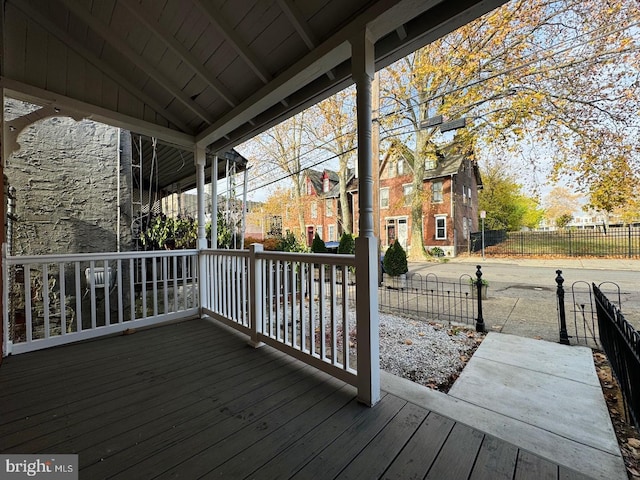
column 558, row 76
column 506, row 206
column 334, row 131
column 276, row 215
column 280, row 150
column 560, row 202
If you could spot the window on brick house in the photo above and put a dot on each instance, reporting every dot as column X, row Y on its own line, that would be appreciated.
column 436, row 191
column 314, row 209
column 384, row 198
column 325, row 184
column 328, row 208
column 441, row 227
column 407, row 191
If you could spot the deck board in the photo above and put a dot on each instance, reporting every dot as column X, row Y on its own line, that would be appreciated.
column 192, row 400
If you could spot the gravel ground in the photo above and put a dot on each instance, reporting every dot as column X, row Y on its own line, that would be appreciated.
column 427, row 353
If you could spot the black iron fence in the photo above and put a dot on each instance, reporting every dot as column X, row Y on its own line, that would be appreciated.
column 436, row 299
column 600, row 242
column 621, row 343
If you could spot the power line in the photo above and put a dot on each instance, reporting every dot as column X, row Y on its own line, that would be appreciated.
column 552, row 52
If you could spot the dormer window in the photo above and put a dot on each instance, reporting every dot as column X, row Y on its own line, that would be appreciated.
column 325, row 184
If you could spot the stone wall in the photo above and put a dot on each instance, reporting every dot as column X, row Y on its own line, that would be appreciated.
column 66, row 178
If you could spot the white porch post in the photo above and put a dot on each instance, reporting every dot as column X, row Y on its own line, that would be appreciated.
column 214, row 202
column 255, row 299
column 366, row 243
column 203, row 281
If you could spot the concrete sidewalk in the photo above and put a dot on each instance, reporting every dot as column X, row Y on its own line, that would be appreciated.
column 540, row 396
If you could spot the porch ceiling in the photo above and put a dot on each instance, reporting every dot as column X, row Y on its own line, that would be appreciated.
column 215, row 72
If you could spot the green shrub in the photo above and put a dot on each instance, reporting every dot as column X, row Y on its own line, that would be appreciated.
column 347, row 244
column 395, row 260
column 318, row 246
column 290, row 243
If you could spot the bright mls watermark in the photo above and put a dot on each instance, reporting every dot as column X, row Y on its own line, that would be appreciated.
column 51, row 467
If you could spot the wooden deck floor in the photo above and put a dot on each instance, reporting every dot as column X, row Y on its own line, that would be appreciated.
column 191, row 400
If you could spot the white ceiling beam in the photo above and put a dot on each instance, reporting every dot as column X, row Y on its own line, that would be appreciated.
column 129, row 53
column 299, row 23
column 319, row 61
column 219, row 22
column 76, row 108
column 85, row 53
column 185, row 55
column 316, row 64
column 302, row 27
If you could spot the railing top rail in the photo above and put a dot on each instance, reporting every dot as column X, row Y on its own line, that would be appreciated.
column 226, row 252
column 323, row 258
column 87, row 257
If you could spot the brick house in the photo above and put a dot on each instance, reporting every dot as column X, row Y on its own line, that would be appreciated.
column 322, row 205
column 450, row 207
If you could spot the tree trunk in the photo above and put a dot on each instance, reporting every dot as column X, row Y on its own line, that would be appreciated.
column 345, row 212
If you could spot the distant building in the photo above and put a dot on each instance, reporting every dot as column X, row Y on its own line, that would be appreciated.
column 449, row 213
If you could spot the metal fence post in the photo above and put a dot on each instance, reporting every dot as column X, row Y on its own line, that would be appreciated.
column 564, row 337
column 479, row 321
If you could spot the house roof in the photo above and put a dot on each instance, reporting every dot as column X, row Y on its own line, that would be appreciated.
column 208, row 72
column 317, row 177
column 449, row 164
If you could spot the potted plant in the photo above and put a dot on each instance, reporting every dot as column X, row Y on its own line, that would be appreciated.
column 474, row 288
column 395, row 263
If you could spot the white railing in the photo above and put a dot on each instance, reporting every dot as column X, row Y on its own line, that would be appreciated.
column 55, row 299
column 301, row 304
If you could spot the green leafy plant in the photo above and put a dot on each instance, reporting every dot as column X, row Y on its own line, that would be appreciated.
column 318, row 246
column 436, row 252
column 163, row 232
column 347, row 244
column 473, row 281
column 395, row 260
column 290, row 243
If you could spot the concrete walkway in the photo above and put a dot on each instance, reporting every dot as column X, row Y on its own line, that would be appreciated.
column 541, row 396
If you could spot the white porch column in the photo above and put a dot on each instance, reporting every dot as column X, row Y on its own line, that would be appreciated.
column 366, row 243
column 203, row 281
column 214, row 202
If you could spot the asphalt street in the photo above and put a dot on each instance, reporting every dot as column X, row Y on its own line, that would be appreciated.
column 522, row 292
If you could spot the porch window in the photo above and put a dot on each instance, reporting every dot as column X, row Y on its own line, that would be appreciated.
column 319, row 231
column 332, row 233
column 436, row 191
column 407, row 190
column 384, row 198
column 441, row 227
